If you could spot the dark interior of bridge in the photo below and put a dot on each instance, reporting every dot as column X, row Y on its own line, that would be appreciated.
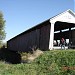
column 65, row 30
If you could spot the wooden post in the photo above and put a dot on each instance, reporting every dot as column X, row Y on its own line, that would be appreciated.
column 51, row 36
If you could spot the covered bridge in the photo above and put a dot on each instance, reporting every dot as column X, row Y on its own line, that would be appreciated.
column 43, row 35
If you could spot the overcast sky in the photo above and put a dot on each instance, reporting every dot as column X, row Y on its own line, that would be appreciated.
column 21, row 15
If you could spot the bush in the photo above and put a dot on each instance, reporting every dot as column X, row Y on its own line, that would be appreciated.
column 9, row 56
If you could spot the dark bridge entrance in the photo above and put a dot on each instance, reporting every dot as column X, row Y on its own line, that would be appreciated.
column 65, row 30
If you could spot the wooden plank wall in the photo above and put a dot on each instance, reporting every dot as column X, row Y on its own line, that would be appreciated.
column 44, row 37
column 38, row 37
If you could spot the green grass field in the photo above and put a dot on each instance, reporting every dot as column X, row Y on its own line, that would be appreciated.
column 54, row 62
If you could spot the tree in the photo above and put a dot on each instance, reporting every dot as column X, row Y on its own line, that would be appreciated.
column 2, row 28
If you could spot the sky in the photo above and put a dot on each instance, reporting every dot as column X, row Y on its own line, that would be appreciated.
column 21, row 15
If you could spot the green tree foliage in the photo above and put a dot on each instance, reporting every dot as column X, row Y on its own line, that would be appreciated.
column 2, row 27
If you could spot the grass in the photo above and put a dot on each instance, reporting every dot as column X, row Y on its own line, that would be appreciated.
column 55, row 62
column 17, row 69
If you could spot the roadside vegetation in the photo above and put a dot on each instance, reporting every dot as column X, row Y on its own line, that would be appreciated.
column 2, row 29
column 55, row 62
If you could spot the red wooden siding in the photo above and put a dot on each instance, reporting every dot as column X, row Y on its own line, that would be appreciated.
column 38, row 37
